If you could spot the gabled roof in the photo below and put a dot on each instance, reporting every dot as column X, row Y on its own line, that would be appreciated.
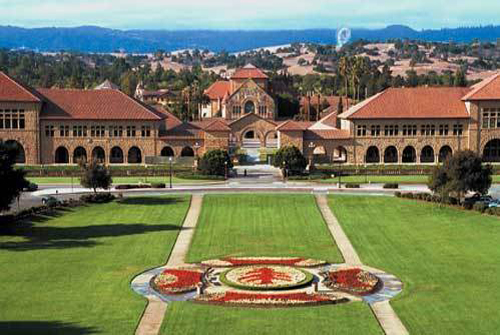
column 292, row 125
column 251, row 115
column 488, row 89
column 186, row 130
column 107, row 85
column 13, row 91
column 327, row 122
column 218, row 90
column 217, row 126
column 249, row 72
column 94, row 105
column 329, row 134
column 412, row 103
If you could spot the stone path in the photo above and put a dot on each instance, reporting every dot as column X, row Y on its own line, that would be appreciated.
column 388, row 319
column 155, row 311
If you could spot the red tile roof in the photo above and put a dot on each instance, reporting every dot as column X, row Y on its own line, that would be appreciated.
column 294, row 125
column 412, row 103
column 186, row 130
column 249, row 72
column 333, row 100
column 488, row 89
column 11, row 90
column 217, row 126
column 218, row 90
column 95, row 105
column 330, row 134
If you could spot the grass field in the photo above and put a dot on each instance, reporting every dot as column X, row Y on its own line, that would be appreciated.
column 448, row 260
column 377, row 179
column 71, row 274
column 116, row 180
column 261, row 225
column 265, row 225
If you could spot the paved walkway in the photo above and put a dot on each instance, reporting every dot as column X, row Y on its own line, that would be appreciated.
column 388, row 319
column 155, row 311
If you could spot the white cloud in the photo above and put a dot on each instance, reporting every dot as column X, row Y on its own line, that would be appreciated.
column 248, row 14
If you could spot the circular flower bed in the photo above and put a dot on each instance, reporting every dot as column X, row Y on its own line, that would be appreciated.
column 175, row 281
column 263, row 277
column 241, row 261
column 268, row 299
column 354, row 281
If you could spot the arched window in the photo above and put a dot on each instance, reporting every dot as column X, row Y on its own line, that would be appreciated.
column 249, row 107
column 167, row 152
column 62, row 156
column 444, row 153
column 372, row 155
column 340, row 154
column 116, row 156
column 98, row 154
column 491, row 151
column 427, row 155
column 409, row 155
column 391, row 155
column 187, row 152
column 134, row 156
column 21, row 156
column 249, row 135
column 80, row 154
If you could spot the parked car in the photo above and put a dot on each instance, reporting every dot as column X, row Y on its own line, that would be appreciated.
column 31, row 187
column 479, row 198
column 494, row 203
column 51, row 201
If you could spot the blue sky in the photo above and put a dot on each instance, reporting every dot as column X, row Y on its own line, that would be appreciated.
column 248, row 14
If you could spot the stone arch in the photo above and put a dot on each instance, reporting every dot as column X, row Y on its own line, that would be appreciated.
column 98, row 154
column 167, row 152
column 271, row 139
column 444, row 153
column 21, row 155
column 116, row 155
column 340, row 154
column 491, row 151
column 427, row 155
column 249, row 107
column 187, row 152
column 372, row 155
column 250, row 135
column 61, row 155
column 134, row 156
column 391, row 154
column 409, row 155
column 79, row 154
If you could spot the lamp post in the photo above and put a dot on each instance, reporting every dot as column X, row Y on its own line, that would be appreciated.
column 170, row 161
column 225, row 169
column 196, row 147
column 311, row 157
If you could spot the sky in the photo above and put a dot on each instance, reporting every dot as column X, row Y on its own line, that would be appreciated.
column 248, row 14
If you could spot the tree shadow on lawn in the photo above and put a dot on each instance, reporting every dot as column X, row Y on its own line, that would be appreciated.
column 44, row 328
column 151, row 201
column 40, row 237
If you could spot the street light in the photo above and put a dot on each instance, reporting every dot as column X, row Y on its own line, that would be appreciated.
column 311, row 149
column 170, row 161
column 225, row 169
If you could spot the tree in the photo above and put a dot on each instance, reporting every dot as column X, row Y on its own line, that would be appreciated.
column 95, row 175
column 460, row 79
column 461, row 173
column 290, row 158
column 11, row 179
column 215, row 162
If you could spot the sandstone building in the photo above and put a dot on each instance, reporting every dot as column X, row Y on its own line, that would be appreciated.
column 396, row 126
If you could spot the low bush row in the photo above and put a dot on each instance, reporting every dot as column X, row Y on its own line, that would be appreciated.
column 139, row 186
column 352, row 185
column 478, row 206
column 391, row 186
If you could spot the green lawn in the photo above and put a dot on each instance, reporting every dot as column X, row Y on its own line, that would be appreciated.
column 448, row 260
column 261, row 225
column 268, row 225
column 116, row 180
column 71, row 274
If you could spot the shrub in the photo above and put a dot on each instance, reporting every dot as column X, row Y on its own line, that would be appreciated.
column 215, row 162
column 98, row 198
column 391, row 186
column 480, row 207
column 352, row 185
column 131, row 186
column 467, row 205
column 158, row 185
column 123, row 187
column 193, row 176
column 397, row 194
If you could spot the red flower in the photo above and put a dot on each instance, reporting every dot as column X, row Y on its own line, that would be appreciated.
column 352, row 280
column 173, row 281
column 265, row 276
column 263, row 261
column 266, row 298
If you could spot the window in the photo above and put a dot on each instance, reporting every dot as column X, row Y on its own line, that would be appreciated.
column 391, row 130
column 428, row 130
column 115, row 131
column 22, row 120
column 491, row 117
column 97, row 131
column 146, row 131
column 361, row 130
column 375, row 130
column 458, row 130
column 15, row 119
column 237, row 110
column 443, row 130
column 130, row 131
column 7, row 120
column 79, row 131
column 263, row 110
column 409, row 130
column 64, row 131
column 49, row 131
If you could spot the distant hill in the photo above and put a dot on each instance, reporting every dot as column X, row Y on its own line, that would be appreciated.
column 97, row 39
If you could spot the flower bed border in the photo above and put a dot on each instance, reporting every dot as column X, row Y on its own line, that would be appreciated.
column 178, row 292
column 309, row 278
column 278, row 261
column 327, row 282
